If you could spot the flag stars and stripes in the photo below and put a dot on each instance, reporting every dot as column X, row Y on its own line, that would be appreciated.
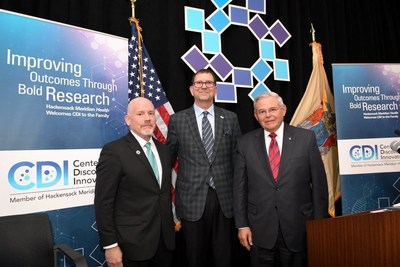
column 152, row 90
column 150, row 82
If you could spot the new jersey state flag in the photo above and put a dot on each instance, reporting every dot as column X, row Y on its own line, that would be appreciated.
column 143, row 82
column 316, row 112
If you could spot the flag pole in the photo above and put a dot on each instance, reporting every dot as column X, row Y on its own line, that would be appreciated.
column 133, row 7
column 317, row 108
column 312, row 31
column 143, row 76
column 139, row 36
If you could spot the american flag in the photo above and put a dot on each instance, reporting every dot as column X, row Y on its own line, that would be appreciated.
column 143, row 81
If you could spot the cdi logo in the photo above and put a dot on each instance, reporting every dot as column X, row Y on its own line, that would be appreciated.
column 26, row 175
column 365, row 152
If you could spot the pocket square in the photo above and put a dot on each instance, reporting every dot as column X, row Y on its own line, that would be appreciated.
column 227, row 132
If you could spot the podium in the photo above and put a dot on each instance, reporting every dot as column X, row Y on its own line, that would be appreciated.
column 368, row 239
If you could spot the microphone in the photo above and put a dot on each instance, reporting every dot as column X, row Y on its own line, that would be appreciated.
column 397, row 131
column 395, row 146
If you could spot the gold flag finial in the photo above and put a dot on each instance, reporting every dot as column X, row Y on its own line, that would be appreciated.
column 312, row 31
column 133, row 7
column 139, row 52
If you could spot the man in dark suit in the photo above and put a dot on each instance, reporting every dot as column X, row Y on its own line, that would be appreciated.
column 272, row 205
column 204, row 144
column 133, row 200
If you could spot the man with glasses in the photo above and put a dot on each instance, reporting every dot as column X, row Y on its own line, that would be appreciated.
column 279, row 183
column 203, row 139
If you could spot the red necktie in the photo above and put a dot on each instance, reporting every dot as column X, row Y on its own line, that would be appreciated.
column 274, row 155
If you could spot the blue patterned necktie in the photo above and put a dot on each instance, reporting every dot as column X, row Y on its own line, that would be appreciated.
column 152, row 160
column 208, row 141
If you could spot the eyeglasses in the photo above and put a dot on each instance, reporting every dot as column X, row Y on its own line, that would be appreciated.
column 272, row 110
column 199, row 84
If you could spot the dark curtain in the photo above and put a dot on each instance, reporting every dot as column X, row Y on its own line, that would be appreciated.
column 353, row 31
column 350, row 31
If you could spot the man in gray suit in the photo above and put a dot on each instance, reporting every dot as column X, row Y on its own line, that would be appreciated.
column 204, row 144
column 133, row 195
column 277, row 188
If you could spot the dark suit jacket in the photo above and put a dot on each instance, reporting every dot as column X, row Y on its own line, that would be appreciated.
column 300, row 194
column 131, row 209
column 195, row 169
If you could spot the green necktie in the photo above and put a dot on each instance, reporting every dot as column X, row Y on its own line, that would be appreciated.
column 152, row 160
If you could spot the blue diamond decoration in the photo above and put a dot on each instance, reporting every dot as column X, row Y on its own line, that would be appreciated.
column 194, row 19
column 257, row 6
column 267, row 49
column 260, row 88
column 226, row 93
column 239, row 15
column 211, row 42
column 281, row 70
column 219, row 21
column 261, row 70
column 221, row 3
column 242, row 77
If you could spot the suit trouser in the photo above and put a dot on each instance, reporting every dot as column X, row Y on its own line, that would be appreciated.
column 208, row 240
column 278, row 256
column 162, row 258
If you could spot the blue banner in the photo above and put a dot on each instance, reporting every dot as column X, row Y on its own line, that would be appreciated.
column 367, row 100
column 63, row 95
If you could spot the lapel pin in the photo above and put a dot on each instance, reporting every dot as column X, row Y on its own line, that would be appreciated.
column 222, row 117
column 137, row 152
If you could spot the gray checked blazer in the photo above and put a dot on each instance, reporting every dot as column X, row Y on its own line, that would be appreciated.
column 195, row 169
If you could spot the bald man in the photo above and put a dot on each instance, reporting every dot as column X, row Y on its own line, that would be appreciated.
column 133, row 194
